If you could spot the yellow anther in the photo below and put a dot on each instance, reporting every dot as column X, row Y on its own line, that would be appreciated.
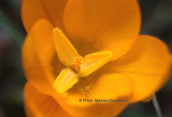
column 92, row 62
column 66, row 79
column 65, row 50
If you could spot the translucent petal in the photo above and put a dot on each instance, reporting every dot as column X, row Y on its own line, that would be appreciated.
column 40, row 61
column 50, row 10
column 96, row 25
column 40, row 105
column 148, row 63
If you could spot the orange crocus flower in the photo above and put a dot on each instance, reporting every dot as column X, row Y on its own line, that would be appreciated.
column 77, row 51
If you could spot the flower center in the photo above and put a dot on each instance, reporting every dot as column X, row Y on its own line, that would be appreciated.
column 76, row 65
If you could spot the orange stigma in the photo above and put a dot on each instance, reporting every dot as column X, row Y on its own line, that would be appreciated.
column 75, row 66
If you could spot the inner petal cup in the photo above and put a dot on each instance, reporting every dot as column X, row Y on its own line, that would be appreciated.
column 77, row 66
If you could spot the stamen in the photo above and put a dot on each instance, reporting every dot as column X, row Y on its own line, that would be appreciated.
column 65, row 50
column 92, row 62
column 65, row 80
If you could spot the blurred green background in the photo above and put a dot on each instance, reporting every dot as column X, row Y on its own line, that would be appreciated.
column 156, row 21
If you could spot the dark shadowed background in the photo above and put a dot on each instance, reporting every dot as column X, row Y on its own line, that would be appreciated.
column 156, row 21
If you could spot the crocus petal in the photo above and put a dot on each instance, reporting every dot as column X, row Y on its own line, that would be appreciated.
column 40, row 105
column 92, row 62
column 148, row 63
column 65, row 50
column 96, row 25
column 108, row 86
column 40, row 61
column 51, row 10
column 148, row 99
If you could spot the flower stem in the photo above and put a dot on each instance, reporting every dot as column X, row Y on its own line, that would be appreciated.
column 156, row 106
